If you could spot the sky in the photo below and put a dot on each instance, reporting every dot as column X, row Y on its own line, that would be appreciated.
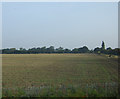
column 69, row 25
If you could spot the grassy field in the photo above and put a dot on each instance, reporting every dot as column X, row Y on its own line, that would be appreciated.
column 59, row 75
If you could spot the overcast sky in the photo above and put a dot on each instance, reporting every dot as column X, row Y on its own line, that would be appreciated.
column 69, row 25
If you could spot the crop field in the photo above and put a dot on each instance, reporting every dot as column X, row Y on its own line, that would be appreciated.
column 59, row 75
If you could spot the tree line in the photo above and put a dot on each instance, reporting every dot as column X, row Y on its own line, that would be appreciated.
column 51, row 49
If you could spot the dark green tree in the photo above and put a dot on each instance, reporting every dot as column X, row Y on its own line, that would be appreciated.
column 60, row 50
column 67, row 50
column 43, row 49
column 50, row 49
column 85, row 49
column 103, row 45
column 75, row 50
column 97, row 50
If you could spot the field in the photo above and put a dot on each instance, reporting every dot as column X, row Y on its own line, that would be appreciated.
column 59, row 75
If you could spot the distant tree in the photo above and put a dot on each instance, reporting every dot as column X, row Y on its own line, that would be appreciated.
column 12, row 50
column 91, row 51
column 67, row 50
column 59, row 50
column 116, row 51
column 108, row 50
column 51, row 49
column 0, row 51
column 103, row 45
column 75, row 50
column 38, row 50
column 32, row 50
column 85, row 49
column 43, row 49
column 97, row 50
column 22, row 50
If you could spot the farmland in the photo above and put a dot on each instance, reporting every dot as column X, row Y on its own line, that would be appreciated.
column 59, row 75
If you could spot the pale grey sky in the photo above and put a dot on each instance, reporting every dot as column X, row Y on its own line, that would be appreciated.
column 68, row 25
